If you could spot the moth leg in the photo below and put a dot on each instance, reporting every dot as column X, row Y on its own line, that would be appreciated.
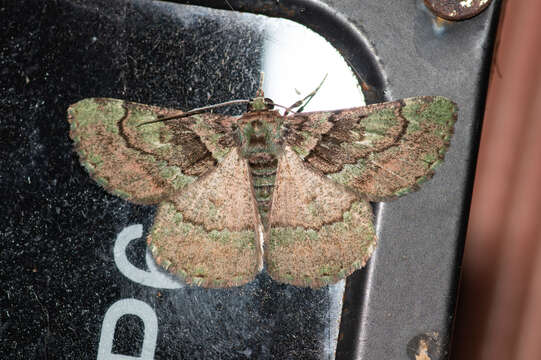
column 301, row 104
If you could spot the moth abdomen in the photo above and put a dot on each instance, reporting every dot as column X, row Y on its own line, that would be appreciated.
column 263, row 172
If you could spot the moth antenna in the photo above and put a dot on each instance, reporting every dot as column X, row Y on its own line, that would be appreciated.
column 301, row 104
column 194, row 111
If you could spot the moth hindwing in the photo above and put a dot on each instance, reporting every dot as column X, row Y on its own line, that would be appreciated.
column 290, row 192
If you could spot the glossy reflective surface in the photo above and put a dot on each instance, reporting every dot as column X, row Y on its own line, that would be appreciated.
column 296, row 60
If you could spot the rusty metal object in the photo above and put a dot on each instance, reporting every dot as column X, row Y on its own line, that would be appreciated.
column 457, row 9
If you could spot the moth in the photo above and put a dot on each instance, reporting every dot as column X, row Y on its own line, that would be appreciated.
column 286, row 191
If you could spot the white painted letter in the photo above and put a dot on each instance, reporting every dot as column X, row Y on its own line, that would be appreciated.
column 155, row 277
column 115, row 312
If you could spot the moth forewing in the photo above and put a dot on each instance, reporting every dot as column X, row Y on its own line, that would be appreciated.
column 382, row 151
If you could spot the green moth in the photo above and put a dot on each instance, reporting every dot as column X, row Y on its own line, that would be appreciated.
column 288, row 192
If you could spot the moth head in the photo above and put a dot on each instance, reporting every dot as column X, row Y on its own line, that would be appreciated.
column 260, row 104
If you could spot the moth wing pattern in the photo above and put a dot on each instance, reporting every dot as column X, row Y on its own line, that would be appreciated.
column 145, row 164
column 210, row 234
column 383, row 150
column 208, row 229
column 320, row 232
